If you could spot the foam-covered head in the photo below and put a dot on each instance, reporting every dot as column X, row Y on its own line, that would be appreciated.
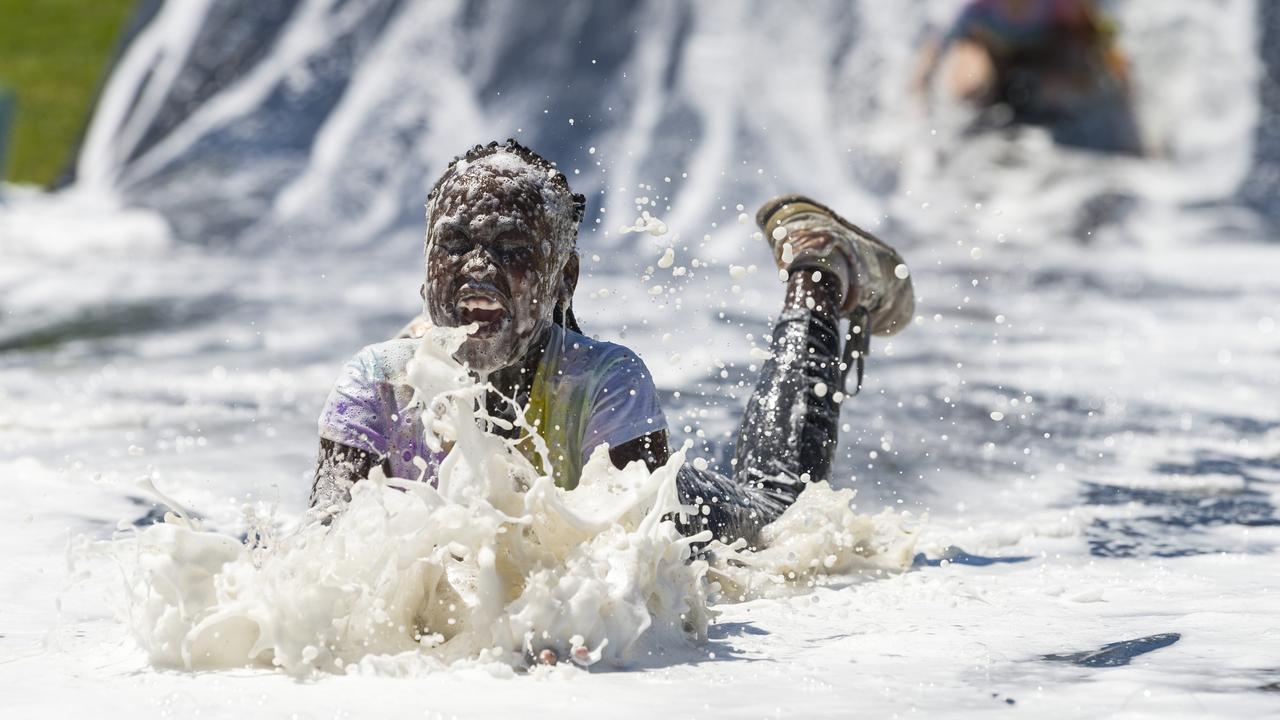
column 502, row 227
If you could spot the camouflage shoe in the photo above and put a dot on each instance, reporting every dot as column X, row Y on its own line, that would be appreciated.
column 805, row 233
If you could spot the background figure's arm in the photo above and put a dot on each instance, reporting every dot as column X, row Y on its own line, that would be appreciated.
column 935, row 48
column 927, row 65
column 651, row 449
column 336, row 469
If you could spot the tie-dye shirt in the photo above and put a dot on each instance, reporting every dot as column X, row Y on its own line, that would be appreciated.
column 585, row 392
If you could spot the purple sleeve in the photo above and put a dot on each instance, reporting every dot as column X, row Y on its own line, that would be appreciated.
column 356, row 413
column 625, row 406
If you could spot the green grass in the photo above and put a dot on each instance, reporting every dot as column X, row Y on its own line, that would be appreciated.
column 53, row 55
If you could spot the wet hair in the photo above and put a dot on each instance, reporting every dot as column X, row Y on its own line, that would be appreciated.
column 579, row 201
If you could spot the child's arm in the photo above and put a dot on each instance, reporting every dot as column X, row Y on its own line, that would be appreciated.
column 336, row 469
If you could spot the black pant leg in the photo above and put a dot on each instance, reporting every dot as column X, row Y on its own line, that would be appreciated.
column 789, row 430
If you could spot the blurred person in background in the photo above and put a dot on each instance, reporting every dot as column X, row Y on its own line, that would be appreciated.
column 1039, row 62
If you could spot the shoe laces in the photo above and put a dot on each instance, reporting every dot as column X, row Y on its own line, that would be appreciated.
column 857, row 343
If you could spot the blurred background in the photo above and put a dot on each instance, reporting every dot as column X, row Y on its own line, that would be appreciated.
column 211, row 204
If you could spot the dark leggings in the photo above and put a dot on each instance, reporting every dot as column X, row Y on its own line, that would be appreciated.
column 788, row 432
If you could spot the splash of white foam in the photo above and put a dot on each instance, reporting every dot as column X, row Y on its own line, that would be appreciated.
column 646, row 223
column 495, row 566
column 817, row 539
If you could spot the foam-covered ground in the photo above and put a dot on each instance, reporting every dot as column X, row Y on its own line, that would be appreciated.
column 1085, row 409
column 1093, row 426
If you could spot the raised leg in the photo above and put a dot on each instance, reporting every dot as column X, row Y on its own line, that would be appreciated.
column 788, row 434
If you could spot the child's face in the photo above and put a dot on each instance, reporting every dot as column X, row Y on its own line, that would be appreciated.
column 491, row 261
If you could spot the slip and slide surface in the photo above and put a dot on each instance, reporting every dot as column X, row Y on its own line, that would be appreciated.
column 1094, row 542
column 1084, row 404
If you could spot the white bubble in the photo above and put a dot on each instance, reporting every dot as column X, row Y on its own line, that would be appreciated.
column 700, row 463
column 820, row 389
column 737, row 272
column 779, row 232
column 997, row 415
column 668, row 258
column 789, row 253
column 901, row 272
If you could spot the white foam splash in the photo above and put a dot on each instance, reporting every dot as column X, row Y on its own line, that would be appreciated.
column 495, row 566
column 817, row 539
column 646, row 223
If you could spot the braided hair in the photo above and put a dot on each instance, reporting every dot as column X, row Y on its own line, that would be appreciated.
column 529, row 156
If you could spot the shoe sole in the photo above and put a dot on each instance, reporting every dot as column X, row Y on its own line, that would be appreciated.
column 778, row 210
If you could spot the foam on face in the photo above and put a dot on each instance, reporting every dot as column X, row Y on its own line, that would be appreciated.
column 497, row 193
column 506, row 176
column 493, row 567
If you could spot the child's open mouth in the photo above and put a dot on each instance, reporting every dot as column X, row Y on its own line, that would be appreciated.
column 482, row 309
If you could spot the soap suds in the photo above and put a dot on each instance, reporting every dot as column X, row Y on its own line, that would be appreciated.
column 493, row 567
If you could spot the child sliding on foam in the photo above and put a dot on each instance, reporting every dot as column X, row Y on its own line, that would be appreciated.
column 501, row 253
